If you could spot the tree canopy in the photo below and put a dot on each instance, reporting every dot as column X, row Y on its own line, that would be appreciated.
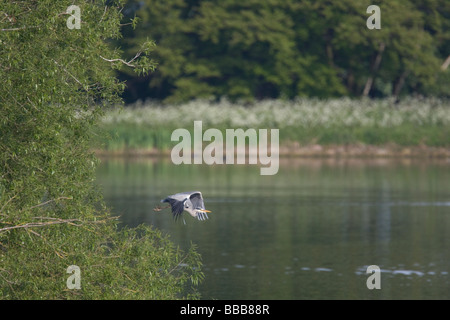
column 284, row 49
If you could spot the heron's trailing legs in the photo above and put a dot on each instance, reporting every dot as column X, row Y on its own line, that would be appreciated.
column 159, row 208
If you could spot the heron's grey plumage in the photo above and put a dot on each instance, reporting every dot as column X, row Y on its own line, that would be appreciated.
column 192, row 202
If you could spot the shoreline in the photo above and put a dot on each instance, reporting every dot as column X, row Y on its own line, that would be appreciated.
column 294, row 150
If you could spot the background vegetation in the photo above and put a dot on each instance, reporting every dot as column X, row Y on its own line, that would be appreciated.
column 55, row 84
column 286, row 49
column 251, row 64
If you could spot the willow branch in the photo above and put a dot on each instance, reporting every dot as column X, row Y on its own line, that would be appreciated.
column 123, row 61
column 47, row 202
column 40, row 224
column 54, row 221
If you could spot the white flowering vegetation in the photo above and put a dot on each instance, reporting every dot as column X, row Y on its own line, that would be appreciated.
column 344, row 120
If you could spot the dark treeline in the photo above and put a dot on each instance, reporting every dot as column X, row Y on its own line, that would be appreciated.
column 289, row 48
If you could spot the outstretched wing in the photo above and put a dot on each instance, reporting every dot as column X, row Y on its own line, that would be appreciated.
column 197, row 200
column 177, row 206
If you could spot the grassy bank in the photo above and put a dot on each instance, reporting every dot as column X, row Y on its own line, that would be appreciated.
column 302, row 123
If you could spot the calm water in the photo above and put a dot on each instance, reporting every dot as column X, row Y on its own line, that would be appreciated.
column 308, row 232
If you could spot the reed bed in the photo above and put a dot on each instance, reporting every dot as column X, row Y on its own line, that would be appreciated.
column 306, row 121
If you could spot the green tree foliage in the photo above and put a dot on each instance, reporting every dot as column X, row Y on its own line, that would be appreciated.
column 270, row 49
column 56, row 82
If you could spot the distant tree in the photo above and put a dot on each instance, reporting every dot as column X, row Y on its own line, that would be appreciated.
column 270, row 49
column 240, row 49
column 402, row 51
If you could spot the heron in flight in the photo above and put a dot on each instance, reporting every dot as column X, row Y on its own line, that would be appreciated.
column 192, row 202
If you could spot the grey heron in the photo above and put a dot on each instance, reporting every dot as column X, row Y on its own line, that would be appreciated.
column 192, row 202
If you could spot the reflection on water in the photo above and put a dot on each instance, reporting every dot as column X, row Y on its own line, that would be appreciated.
column 308, row 232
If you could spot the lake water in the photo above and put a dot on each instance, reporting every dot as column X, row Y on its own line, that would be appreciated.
column 308, row 232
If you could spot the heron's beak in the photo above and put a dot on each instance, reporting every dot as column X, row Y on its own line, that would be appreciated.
column 203, row 210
